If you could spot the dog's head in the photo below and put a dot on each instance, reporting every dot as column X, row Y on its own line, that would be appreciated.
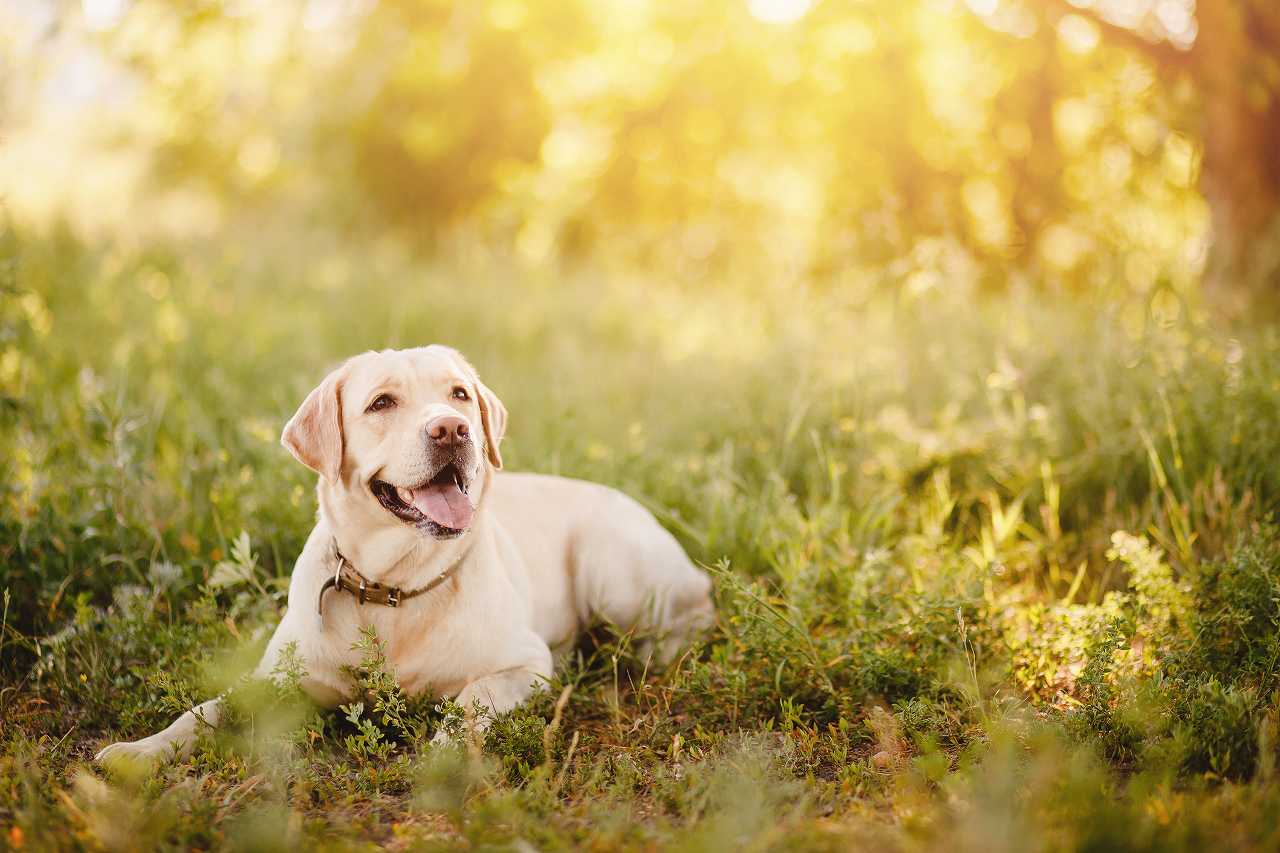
column 401, row 437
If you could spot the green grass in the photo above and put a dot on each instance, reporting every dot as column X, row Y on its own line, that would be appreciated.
column 993, row 572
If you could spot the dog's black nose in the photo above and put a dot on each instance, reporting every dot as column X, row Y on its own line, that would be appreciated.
column 447, row 430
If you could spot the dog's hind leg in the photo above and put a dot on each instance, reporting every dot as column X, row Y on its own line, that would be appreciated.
column 632, row 573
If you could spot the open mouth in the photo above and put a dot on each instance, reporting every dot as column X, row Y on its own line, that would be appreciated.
column 439, row 505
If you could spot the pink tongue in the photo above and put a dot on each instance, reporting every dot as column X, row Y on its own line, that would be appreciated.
column 446, row 505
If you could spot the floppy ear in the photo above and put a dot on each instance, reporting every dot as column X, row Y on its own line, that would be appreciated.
column 493, row 417
column 314, row 433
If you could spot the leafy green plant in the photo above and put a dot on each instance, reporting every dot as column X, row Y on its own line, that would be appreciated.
column 973, row 589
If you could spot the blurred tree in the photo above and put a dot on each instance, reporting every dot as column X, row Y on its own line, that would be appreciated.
column 1089, row 144
column 455, row 115
column 1229, row 52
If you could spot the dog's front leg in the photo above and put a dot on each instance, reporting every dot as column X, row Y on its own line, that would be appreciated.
column 177, row 740
column 500, row 692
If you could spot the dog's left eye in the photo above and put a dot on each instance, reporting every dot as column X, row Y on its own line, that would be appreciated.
column 460, row 393
column 380, row 402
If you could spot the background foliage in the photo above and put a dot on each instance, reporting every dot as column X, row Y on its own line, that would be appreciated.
column 1094, row 146
column 943, row 334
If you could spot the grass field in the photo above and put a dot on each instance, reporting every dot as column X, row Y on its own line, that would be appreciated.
column 994, row 573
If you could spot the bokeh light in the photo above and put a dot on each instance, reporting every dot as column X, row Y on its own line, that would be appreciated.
column 779, row 11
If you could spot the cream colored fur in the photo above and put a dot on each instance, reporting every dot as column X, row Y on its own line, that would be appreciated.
column 544, row 556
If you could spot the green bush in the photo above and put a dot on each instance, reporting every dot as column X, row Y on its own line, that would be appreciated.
column 972, row 587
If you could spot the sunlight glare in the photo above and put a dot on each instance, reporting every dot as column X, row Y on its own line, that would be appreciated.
column 779, row 11
column 102, row 14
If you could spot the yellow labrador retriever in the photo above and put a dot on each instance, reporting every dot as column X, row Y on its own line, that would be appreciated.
column 473, row 578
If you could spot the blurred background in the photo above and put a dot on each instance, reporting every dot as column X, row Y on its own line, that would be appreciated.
column 1115, row 148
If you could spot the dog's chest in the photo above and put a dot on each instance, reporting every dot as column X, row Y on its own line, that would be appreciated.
column 428, row 649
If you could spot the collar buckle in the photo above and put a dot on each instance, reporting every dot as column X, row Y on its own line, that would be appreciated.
column 367, row 591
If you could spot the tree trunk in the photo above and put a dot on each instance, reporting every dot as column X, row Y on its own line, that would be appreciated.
column 1234, row 66
column 1238, row 77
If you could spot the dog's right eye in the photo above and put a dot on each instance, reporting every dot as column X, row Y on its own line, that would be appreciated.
column 380, row 402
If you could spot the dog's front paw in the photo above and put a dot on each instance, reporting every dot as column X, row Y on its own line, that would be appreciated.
column 147, row 752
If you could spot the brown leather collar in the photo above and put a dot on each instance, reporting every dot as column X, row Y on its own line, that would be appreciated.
column 346, row 578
